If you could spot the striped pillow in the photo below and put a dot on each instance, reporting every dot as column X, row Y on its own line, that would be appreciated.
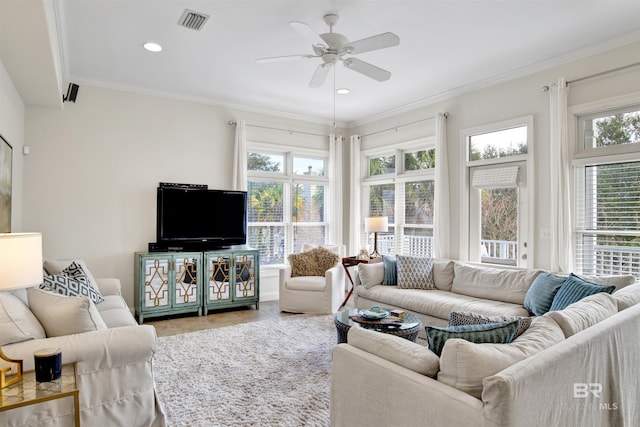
column 390, row 271
column 574, row 289
column 540, row 294
column 495, row 333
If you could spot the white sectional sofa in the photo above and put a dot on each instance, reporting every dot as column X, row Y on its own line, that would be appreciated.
column 113, row 357
column 573, row 366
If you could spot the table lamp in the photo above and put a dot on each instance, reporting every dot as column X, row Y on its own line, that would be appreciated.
column 376, row 224
column 20, row 267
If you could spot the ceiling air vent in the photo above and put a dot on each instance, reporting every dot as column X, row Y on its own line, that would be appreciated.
column 193, row 20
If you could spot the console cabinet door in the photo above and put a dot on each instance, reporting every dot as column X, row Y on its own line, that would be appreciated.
column 168, row 283
column 218, row 280
column 245, row 276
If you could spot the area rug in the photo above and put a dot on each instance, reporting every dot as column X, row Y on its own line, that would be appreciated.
column 274, row 372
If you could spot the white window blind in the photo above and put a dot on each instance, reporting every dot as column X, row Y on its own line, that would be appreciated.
column 506, row 177
column 608, row 219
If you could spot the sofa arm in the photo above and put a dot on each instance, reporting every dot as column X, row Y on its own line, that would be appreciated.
column 95, row 350
column 395, row 349
column 109, row 286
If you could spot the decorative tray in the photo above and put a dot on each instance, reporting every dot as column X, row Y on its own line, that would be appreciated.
column 387, row 321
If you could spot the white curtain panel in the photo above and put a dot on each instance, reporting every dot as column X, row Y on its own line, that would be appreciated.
column 240, row 158
column 441, row 218
column 335, row 185
column 355, row 220
column 560, row 165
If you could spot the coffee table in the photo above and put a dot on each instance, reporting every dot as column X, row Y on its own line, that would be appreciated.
column 408, row 328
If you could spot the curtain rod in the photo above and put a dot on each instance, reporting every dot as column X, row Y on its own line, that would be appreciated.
column 291, row 132
column 403, row 125
column 635, row 64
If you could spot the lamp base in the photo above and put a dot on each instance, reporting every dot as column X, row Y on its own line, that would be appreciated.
column 375, row 253
column 7, row 379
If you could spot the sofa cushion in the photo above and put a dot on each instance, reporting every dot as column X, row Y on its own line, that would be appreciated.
column 371, row 274
column 574, row 289
column 395, row 349
column 62, row 315
column 437, row 303
column 493, row 283
column 540, row 295
column 58, row 266
column 17, row 322
column 415, row 272
column 497, row 333
column 314, row 262
column 390, row 270
column 464, row 365
column 627, row 296
column 443, row 274
column 458, row 318
column 618, row 280
column 584, row 313
column 74, row 287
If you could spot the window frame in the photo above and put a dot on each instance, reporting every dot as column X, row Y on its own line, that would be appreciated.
column 398, row 179
column 289, row 179
column 595, row 156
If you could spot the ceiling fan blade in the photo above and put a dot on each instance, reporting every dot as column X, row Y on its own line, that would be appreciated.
column 320, row 75
column 380, row 41
column 284, row 58
column 308, row 33
column 367, row 69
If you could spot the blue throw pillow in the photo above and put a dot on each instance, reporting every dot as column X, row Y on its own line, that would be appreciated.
column 574, row 289
column 390, row 270
column 495, row 333
column 539, row 297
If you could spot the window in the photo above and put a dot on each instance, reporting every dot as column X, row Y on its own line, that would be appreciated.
column 496, row 165
column 287, row 203
column 406, row 196
column 607, row 191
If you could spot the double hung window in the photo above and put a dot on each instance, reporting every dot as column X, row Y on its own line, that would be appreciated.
column 400, row 186
column 288, row 195
column 607, row 192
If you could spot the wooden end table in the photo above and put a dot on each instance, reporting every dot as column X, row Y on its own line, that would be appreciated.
column 350, row 262
column 29, row 392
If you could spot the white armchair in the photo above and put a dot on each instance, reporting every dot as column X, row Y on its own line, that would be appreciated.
column 313, row 294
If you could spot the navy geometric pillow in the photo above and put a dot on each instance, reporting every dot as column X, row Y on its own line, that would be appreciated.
column 65, row 285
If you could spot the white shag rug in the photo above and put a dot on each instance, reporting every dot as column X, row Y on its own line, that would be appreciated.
column 274, row 372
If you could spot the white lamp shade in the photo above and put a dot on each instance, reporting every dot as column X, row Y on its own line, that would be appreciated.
column 20, row 260
column 376, row 224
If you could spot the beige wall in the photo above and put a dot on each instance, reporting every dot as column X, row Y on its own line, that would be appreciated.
column 89, row 182
column 12, row 129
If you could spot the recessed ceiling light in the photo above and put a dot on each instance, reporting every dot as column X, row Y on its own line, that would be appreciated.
column 152, row 47
column 343, row 91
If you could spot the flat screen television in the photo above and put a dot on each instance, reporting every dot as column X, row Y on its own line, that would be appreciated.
column 201, row 219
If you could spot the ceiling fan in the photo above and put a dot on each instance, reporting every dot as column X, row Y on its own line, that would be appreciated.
column 333, row 47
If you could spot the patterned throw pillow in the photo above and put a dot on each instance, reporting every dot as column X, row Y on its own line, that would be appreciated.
column 415, row 272
column 540, row 294
column 65, row 285
column 458, row 318
column 574, row 289
column 390, row 271
column 312, row 263
column 495, row 333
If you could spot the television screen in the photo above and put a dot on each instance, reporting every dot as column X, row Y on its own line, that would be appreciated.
column 212, row 218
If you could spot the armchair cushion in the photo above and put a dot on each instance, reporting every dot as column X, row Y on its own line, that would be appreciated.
column 314, row 262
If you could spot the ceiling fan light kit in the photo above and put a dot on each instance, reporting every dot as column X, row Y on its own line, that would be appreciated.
column 333, row 47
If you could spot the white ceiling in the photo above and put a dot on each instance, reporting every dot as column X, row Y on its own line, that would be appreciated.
column 445, row 47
